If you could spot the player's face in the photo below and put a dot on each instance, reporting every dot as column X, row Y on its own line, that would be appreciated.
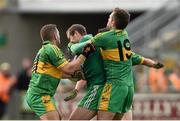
column 75, row 38
column 110, row 22
column 57, row 36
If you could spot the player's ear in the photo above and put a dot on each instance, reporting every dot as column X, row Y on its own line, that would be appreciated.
column 113, row 23
column 54, row 35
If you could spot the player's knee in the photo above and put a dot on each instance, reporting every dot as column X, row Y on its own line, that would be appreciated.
column 54, row 115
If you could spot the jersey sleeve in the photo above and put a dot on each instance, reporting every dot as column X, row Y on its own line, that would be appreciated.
column 57, row 57
column 98, row 40
column 78, row 47
column 73, row 49
column 136, row 59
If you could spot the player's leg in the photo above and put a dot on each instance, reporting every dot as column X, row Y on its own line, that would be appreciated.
column 82, row 114
column 118, row 116
column 127, row 109
column 112, row 101
column 43, row 106
column 52, row 115
column 87, row 107
column 128, row 115
column 50, row 111
column 105, row 115
column 125, row 116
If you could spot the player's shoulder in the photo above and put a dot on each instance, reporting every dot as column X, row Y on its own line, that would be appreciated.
column 121, row 32
column 51, row 48
column 107, row 33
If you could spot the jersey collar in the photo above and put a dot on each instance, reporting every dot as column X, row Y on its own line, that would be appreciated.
column 46, row 42
column 118, row 30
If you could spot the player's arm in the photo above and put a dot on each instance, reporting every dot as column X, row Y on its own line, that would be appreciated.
column 136, row 59
column 58, row 60
column 99, row 40
column 75, row 49
column 74, row 65
column 79, row 85
column 78, row 47
column 65, row 76
column 96, row 40
column 151, row 63
column 76, row 76
column 71, row 67
column 140, row 60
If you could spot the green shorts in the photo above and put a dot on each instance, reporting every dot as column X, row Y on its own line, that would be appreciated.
column 90, row 100
column 40, row 104
column 116, row 98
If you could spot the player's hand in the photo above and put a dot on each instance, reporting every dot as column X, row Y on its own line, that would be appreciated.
column 88, row 49
column 158, row 65
column 78, row 75
column 71, row 95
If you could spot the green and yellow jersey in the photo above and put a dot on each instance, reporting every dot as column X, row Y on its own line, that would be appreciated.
column 93, row 66
column 136, row 59
column 94, row 69
column 45, row 72
column 116, row 53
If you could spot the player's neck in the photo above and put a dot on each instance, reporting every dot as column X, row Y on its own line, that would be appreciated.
column 54, row 42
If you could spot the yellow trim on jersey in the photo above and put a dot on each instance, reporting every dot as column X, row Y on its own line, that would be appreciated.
column 56, row 50
column 48, row 104
column 63, row 64
column 142, row 60
column 47, row 68
column 105, row 97
column 113, row 54
column 119, row 31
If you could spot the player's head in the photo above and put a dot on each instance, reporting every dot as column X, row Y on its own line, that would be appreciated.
column 76, row 32
column 118, row 19
column 49, row 32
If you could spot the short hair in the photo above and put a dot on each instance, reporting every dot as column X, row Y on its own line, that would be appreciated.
column 121, row 18
column 76, row 27
column 47, row 31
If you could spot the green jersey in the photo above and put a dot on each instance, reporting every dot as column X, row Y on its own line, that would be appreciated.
column 116, row 53
column 93, row 66
column 45, row 72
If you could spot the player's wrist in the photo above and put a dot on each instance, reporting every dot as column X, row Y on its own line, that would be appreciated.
column 82, row 57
